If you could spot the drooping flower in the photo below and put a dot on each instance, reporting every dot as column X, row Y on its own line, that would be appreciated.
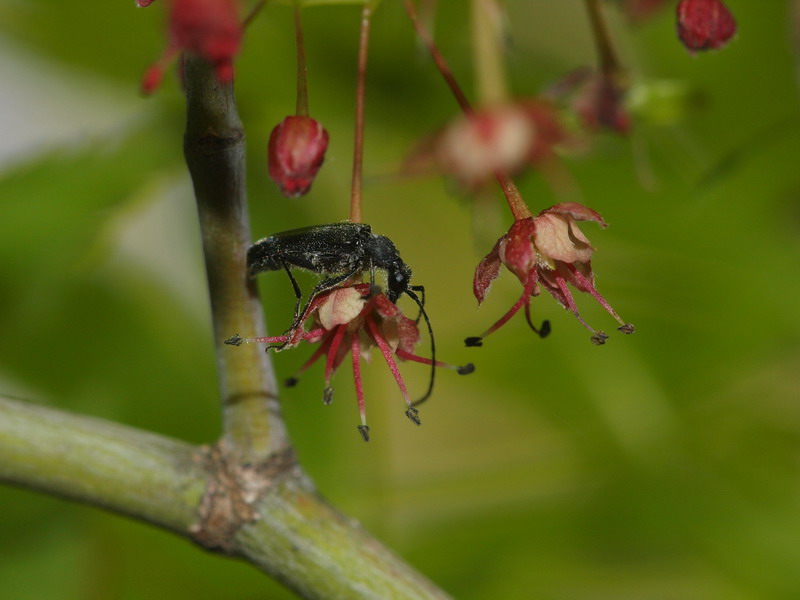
column 209, row 28
column 295, row 154
column 350, row 321
column 601, row 104
column 597, row 98
column 548, row 251
column 704, row 24
column 503, row 138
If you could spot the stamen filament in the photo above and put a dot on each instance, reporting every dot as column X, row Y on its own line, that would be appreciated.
column 587, row 285
column 310, row 361
column 333, row 350
column 598, row 337
column 355, row 348
column 524, row 299
column 386, row 351
column 405, row 355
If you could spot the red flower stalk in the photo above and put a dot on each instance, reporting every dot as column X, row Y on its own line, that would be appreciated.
column 503, row 138
column 351, row 321
column 295, row 154
column 548, row 251
column 704, row 24
column 208, row 28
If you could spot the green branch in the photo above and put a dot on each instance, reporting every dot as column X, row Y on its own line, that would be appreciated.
column 203, row 494
column 214, row 146
column 132, row 472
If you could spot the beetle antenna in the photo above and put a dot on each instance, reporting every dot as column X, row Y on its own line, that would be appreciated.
column 428, row 393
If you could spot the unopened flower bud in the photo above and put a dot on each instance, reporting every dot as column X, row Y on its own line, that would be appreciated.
column 704, row 24
column 296, row 150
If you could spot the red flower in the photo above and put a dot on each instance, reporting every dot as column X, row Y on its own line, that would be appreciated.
column 296, row 151
column 550, row 251
column 502, row 138
column 596, row 97
column 601, row 103
column 351, row 321
column 704, row 24
column 208, row 28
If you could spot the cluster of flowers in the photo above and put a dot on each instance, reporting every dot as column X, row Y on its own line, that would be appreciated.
column 492, row 142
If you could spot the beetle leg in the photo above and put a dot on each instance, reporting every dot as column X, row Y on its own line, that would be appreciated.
column 297, row 293
column 322, row 286
column 373, row 289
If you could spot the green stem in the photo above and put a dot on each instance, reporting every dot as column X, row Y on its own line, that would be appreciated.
column 214, row 146
column 487, row 50
column 609, row 64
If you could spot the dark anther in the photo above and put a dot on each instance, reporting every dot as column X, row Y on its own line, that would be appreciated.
column 599, row 338
column 374, row 290
column 291, row 382
column 413, row 414
column 466, row 369
column 544, row 330
column 473, row 342
column 628, row 328
column 364, row 431
column 327, row 396
column 235, row 340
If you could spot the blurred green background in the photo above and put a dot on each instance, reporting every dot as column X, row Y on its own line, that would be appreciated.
column 664, row 465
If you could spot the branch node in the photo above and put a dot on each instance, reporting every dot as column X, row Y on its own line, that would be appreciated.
column 233, row 491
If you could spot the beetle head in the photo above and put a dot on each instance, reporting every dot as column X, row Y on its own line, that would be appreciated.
column 399, row 278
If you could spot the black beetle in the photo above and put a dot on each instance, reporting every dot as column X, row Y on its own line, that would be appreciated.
column 341, row 251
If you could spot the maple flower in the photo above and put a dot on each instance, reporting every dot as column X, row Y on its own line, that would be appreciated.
column 502, row 138
column 350, row 321
column 548, row 251
column 704, row 24
column 295, row 154
column 209, row 28
column 601, row 103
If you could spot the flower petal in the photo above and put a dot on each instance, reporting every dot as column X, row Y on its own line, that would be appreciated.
column 486, row 272
column 340, row 307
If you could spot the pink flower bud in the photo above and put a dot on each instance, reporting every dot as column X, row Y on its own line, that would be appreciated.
column 704, row 24
column 296, row 150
